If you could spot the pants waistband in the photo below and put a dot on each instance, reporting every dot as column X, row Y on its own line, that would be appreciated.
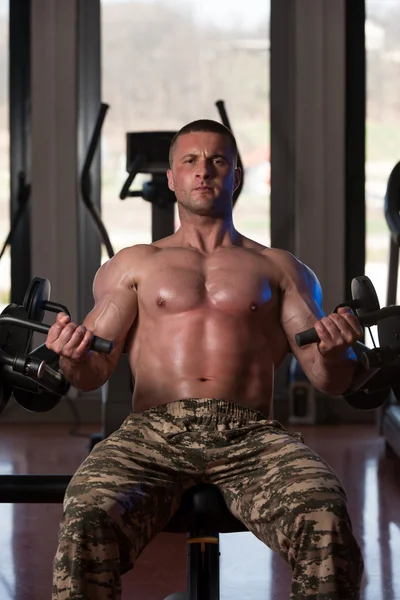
column 202, row 407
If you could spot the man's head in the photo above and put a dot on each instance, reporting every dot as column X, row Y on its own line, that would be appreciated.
column 206, row 126
column 203, row 172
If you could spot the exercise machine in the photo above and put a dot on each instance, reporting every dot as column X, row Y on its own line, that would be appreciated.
column 33, row 376
column 385, row 359
column 389, row 414
column 305, row 406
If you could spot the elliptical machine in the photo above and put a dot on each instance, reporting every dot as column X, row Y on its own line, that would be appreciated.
column 389, row 414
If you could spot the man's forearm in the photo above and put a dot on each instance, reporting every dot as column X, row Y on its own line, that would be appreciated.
column 334, row 376
column 340, row 377
column 86, row 376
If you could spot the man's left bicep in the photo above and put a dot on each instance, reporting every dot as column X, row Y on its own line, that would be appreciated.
column 300, row 311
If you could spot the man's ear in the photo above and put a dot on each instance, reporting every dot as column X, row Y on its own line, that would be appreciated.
column 238, row 178
column 170, row 180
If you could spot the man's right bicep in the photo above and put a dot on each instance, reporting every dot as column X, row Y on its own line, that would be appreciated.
column 116, row 306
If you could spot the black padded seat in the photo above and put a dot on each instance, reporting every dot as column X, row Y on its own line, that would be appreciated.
column 203, row 507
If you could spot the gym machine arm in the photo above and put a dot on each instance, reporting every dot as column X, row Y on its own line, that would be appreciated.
column 33, row 377
column 383, row 362
column 34, row 368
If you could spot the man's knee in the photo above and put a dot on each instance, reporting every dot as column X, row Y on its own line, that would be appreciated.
column 92, row 511
column 92, row 526
column 320, row 511
column 86, row 512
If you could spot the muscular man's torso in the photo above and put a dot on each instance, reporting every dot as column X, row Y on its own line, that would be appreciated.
column 208, row 325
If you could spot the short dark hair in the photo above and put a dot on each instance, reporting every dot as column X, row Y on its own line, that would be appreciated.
column 206, row 125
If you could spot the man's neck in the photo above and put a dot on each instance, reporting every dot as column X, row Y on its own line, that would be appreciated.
column 208, row 234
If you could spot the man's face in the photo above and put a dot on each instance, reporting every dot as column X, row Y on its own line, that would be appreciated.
column 203, row 174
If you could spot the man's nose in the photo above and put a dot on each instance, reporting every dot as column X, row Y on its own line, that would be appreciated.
column 204, row 169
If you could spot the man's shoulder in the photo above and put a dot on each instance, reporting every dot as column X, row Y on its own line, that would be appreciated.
column 127, row 259
column 283, row 258
column 293, row 271
column 138, row 251
column 279, row 260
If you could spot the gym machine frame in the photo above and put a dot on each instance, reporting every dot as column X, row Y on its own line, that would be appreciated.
column 389, row 413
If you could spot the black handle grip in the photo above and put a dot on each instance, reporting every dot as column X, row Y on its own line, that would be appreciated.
column 98, row 344
column 310, row 336
column 101, row 345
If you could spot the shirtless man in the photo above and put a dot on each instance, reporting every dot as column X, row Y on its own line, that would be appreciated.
column 206, row 317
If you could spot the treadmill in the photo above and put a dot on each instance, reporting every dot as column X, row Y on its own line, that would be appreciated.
column 389, row 414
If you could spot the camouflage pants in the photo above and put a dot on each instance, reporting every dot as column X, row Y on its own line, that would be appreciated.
column 129, row 486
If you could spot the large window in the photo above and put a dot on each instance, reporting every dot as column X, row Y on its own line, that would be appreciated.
column 5, row 278
column 383, row 129
column 166, row 64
